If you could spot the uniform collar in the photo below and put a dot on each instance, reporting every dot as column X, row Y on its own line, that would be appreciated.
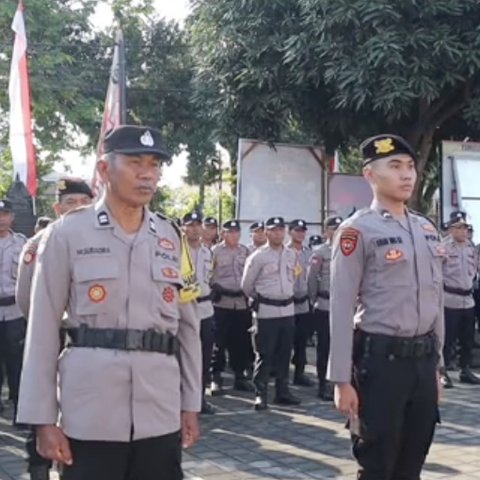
column 384, row 213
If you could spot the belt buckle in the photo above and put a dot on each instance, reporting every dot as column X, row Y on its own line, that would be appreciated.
column 134, row 340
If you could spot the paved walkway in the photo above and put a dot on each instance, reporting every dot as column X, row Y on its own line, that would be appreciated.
column 308, row 442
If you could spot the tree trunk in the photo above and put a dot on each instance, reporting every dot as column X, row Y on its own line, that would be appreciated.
column 201, row 195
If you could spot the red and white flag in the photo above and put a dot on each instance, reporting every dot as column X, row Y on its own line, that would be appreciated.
column 20, row 125
column 114, row 113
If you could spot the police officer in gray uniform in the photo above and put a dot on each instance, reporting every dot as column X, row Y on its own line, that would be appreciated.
column 269, row 279
column 297, row 230
column 129, row 381
column 232, row 316
column 257, row 234
column 209, row 232
column 202, row 260
column 12, row 321
column 314, row 241
column 318, row 279
column 386, row 319
column 460, row 267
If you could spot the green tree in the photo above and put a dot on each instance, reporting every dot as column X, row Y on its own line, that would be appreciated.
column 340, row 70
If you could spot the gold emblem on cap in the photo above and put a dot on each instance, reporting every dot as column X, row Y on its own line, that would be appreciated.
column 61, row 185
column 384, row 146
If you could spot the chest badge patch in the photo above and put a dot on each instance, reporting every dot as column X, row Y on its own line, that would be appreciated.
column 298, row 270
column 166, row 244
column 28, row 258
column 349, row 241
column 393, row 255
column 97, row 293
column 168, row 294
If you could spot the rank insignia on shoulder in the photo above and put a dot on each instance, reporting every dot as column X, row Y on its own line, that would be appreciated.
column 103, row 219
column 348, row 240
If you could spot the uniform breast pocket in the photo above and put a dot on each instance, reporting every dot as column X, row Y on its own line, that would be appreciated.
column 392, row 269
column 438, row 256
column 95, row 282
column 167, row 281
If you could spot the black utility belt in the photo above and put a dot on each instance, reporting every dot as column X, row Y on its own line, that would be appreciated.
column 324, row 295
column 7, row 301
column 126, row 339
column 205, row 298
column 458, row 291
column 372, row 344
column 274, row 302
column 300, row 300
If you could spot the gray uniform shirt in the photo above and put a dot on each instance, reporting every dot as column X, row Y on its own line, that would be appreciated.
column 228, row 264
column 318, row 276
column 387, row 279
column 202, row 259
column 270, row 273
column 104, row 278
column 10, row 249
column 459, row 270
column 300, row 289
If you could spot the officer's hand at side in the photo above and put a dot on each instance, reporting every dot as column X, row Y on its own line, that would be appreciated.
column 190, row 429
column 346, row 399
column 53, row 444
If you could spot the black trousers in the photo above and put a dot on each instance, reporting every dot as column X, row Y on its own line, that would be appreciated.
column 303, row 331
column 476, row 298
column 459, row 326
column 231, row 334
column 157, row 458
column 12, row 339
column 321, row 326
column 397, row 414
column 272, row 342
column 207, row 338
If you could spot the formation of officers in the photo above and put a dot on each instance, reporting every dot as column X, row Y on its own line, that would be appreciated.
column 132, row 319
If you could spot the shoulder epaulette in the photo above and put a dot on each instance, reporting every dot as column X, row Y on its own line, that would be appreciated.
column 172, row 222
column 426, row 217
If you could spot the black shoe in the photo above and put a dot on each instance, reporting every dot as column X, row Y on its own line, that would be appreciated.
column 302, row 380
column 207, row 408
column 243, row 385
column 216, row 387
column 286, row 398
column 39, row 472
column 2, row 407
column 260, row 403
column 325, row 392
column 446, row 381
column 467, row 376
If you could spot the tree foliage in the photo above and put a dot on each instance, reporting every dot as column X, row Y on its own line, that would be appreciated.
column 340, row 70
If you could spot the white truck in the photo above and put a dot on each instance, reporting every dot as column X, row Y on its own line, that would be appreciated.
column 460, row 182
column 293, row 181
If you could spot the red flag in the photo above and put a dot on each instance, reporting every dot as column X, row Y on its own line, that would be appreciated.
column 20, row 124
column 114, row 113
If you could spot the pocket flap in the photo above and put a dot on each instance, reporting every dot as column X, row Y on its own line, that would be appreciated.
column 94, row 269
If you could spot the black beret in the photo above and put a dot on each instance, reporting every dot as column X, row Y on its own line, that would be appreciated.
column 231, row 226
column 385, row 145
column 6, row 205
column 457, row 217
column 315, row 240
column 298, row 224
column 333, row 221
column 210, row 221
column 66, row 186
column 134, row 140
column 256, row 226
column 191, row 217
column 275, row 222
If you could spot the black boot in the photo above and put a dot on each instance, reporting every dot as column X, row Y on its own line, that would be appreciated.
column 300, row 379
column 467, row 376
column 39, row 472
column 283, row 395
column 445, row 380
column 242, row 384
column 216, row 387
column 261, row 400
column 207, row 408
column 325, row 390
